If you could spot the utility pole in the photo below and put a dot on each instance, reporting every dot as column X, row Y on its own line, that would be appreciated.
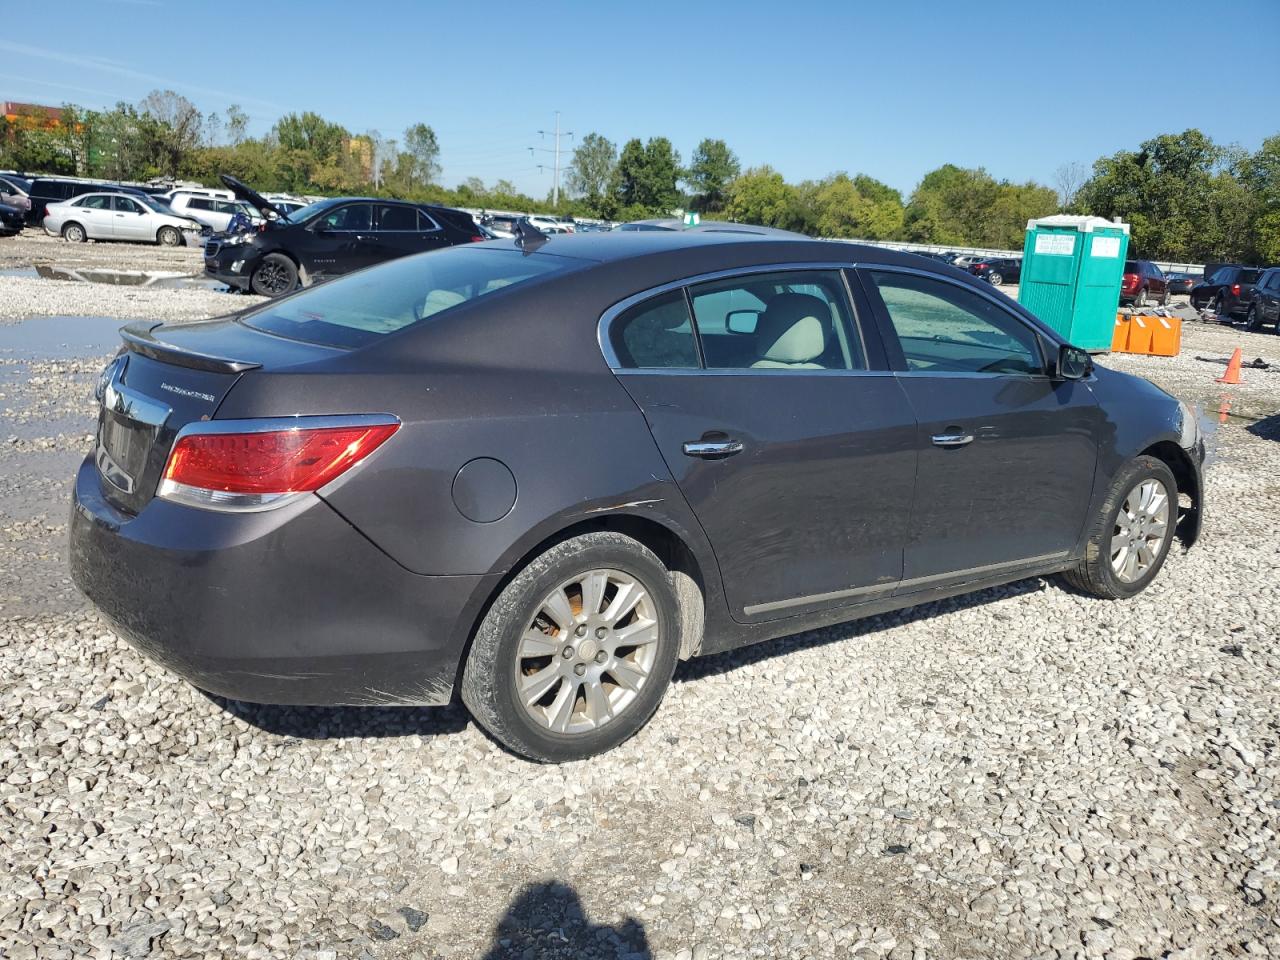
column 555, row 182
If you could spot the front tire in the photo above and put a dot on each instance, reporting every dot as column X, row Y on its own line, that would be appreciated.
column 1251, row 319
column 1131, row 534
column 576, row 652
column 168, row 237
column 275, row 276
column 74, row 233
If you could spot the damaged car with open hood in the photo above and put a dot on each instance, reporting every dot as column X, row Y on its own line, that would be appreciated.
column 326, row 239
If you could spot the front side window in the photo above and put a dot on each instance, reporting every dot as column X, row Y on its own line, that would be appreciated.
column 126, row 205
column 98, row 202
column 944, row 328
column 796, row 320
column 655, row 334
column 354, row 217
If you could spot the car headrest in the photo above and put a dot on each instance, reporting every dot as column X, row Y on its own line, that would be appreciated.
column 793, row 328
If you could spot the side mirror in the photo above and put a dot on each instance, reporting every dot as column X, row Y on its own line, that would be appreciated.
column 1073, row 363
column 742, row 321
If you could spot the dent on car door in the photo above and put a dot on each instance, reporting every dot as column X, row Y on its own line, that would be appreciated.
column 793, row 450
column 1006, row 453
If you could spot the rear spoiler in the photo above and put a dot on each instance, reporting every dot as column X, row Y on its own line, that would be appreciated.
column 138, row 338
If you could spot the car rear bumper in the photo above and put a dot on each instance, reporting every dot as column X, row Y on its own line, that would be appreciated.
column 288, row 606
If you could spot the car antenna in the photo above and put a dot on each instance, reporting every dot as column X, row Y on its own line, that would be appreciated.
column 528, row 237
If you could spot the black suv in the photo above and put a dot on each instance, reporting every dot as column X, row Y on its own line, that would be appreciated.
column 1264, row 307
column 327, row 239
column 1227, row 292
column 47, row 190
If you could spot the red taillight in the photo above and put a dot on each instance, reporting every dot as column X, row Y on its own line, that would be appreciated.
column 979, row 266
column 1235, row 289
column 478, row 239
column 271, row 461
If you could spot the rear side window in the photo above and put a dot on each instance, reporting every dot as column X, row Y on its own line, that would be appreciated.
column 944, row 328
column 798, row 321
column 655, row 334
column 1248, row 276
column 360, row 309
column 393, row 217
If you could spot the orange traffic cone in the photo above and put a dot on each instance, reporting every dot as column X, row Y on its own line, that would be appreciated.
column 1233, row 369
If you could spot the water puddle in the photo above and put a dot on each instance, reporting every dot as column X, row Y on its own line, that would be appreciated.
column 59, row 338
column 155, row 279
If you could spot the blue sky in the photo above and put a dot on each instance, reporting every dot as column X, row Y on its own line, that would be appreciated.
column 888, row 89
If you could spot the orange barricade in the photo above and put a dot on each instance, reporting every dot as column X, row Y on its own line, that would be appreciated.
column 1140, row 331
column 1120, row 336
column 1166, row 336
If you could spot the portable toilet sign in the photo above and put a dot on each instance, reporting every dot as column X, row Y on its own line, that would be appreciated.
column 1072, row 268
column 691, row 219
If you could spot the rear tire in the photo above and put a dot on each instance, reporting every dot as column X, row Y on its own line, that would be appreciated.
column 1140, row 298
column 566, row 723
column 995, row 278
column 275, row 276
column 74, row 233
column 1109, row 532
column 168, row 237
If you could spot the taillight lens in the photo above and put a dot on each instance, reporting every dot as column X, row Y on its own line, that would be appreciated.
column 1235, row 289
column 478, row 239
column 232, row 466
column 979, row 266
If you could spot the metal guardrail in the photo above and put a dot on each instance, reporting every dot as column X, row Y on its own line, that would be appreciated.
column 990, row 252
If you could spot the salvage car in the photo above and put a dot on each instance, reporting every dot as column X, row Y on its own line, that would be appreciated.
column 16, row 192
column 1226, row 291
column 327, row 239
column 1142, row 283
column 12, row 220
column 119, row 216
column 1264, row 303
column 539, row 474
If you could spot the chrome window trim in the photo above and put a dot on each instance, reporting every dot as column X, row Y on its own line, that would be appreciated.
column 611, row 314
column 224, row 502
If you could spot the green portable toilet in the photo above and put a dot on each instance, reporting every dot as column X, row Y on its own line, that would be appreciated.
column 1071, row 272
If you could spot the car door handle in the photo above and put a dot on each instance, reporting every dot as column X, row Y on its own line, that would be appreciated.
column 712, row 449
column 952, row 439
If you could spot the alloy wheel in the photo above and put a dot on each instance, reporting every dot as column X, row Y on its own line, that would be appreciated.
column 74, row 233
column 1140, row 530
column 273, row 278
column 996, row 279
column 170, row 237
column 588, row 651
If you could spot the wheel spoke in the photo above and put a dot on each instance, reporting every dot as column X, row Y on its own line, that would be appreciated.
column 593, row 585
column 535, row 643
column 1145, row 555
column 598, row 707
column 624, row 601
column 535, row 686
column 557, row 607
column 637, row 634
column 628, row 674
column 1130, row 564
column 561, row 709
column 1157, row 529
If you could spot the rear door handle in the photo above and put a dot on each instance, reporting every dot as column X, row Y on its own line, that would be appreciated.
column 952, row 439
column 712, row 449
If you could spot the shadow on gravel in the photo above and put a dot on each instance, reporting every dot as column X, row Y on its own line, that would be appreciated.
column 546, row 920
column 1268, row 428
column 336, row 723
column 700, row 667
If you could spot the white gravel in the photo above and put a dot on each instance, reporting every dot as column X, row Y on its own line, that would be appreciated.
column 1021, row 773
column 22, row 296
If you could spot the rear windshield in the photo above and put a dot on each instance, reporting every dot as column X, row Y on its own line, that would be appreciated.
column 1131, row 266
column 360, row 309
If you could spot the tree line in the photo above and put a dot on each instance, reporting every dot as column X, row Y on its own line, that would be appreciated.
column 1186, row 198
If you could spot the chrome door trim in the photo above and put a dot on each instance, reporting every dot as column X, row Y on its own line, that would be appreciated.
column 899, row 585
column 607, row 318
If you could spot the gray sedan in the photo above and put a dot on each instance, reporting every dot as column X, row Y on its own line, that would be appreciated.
column 117, row 216
column 538, row 476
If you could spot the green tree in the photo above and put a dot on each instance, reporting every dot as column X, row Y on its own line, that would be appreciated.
column 644, row 181
column 236, row 124
column 762, row 197
column 424, row 150
column 591, row 170
column 176, row 127
column 710, row 171
column 1166, row 191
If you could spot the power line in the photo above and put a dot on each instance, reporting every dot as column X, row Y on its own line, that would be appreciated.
column 555, row 183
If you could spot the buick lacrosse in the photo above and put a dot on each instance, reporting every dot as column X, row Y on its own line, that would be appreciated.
column 537, row 474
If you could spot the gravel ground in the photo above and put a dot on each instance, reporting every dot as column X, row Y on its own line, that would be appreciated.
column 1024, row 772
column 22, row 296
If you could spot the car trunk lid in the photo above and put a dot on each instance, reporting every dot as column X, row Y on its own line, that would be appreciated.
column 166, row 378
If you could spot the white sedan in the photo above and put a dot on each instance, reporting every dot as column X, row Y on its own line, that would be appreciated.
column 118, row 216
